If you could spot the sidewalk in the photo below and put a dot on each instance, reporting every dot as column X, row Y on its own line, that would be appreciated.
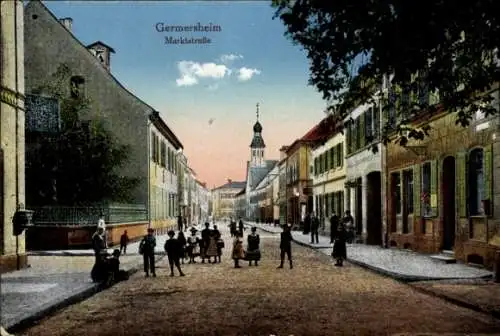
column 399, row 264
column 54, row 281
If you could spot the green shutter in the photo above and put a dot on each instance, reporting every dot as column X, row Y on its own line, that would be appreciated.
column 333, row 158
column 434, row 192
column 327, row 161
column 416, row 190
column 361, row 130
column 349, row 138
column 488, row 172
column 341, row 155
column 332, row 203
column 461, row 191
column 315, row 166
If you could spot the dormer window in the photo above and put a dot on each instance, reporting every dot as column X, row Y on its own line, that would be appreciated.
column 77, row 86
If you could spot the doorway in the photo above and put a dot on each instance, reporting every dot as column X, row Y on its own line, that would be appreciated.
column 374, row 208
column 448, row 197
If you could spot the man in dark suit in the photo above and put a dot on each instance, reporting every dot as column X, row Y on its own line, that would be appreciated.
column 286, row 246
column 205, row 240
column 314, row 229
column 334, row 223
column 174, row 252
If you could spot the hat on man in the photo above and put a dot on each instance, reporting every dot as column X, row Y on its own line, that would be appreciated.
column 193, row 229
column 151, row 230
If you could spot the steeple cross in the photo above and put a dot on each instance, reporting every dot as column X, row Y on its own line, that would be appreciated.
column 257, row 111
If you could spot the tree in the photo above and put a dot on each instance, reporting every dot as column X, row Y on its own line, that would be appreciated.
column 452, row 47
column 78, row 165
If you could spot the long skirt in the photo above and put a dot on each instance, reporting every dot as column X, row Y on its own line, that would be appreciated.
column 253, row 255
column 211, row 250
column 339, row 249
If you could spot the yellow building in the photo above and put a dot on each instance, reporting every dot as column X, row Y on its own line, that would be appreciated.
column 12, row 248
column 163, row 175
column 224, row 199
column 329, row 178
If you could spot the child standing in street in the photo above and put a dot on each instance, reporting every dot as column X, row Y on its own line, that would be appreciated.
column 174, row 250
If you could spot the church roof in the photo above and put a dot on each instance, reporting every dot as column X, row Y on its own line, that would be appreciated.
column 257, row 174
column 257, row 128
column 257, row 142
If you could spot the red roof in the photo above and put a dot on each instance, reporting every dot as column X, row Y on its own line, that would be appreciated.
column 320, row 132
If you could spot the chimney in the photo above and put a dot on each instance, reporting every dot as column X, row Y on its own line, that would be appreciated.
column 67, row 23
column 229, row 180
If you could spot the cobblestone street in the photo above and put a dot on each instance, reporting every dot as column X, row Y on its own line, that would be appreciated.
column 314, row 298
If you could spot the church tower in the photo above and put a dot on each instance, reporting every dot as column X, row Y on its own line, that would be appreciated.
column 257, row 146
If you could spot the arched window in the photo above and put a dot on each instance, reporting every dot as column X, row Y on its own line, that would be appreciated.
column 476, row 182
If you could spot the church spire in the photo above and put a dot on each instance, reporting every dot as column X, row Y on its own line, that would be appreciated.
column 257, row 112
column 257, row 146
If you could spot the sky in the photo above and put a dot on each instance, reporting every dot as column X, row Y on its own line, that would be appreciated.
column 207, row 92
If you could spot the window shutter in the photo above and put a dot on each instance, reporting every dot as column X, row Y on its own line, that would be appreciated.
column 341, row 155
column 361, row 131
column 434, row 192
column 327, row 161
column 461, row 165
column 349, row 138
column 332, row 203
column 315, row 166
column 488, row 172
column 416, row 190
column 331, row 153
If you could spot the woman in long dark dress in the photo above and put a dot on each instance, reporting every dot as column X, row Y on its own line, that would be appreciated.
column 339, row 246
column 253, row 247
column 182, row 245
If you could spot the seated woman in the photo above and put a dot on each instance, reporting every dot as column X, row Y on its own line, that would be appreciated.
column 253, row 246
column 114, row 272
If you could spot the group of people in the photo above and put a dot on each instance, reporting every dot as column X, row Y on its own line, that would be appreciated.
column 209, row 246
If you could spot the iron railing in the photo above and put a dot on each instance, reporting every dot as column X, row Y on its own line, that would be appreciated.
column 88, row 215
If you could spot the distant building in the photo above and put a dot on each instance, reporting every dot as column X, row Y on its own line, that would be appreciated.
column 224, row 199
column 11, row 133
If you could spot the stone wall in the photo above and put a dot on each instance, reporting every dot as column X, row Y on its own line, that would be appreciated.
column 12, row 250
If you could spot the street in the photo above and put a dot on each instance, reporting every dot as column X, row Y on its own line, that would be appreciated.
column 314, row 298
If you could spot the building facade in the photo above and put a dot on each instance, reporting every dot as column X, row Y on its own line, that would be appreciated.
column 12, row 116
column 443, row 189
column 240, row 202
column 163, row 171
column 282, row 193
column 224, row 199
column 364, row 172
column 329, row 173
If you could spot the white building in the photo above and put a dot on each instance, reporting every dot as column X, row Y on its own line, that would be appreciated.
column 363, row 185
column 329, row 173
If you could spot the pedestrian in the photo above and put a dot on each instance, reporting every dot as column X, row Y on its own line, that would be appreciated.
column 182, row 243
column 147, row 249
column 219, row 242
column 286, row 246
column 348, row 222
column 124, row 242
column 174, row 250
column 102, row 224
column 307, row 223
column 334, row 223
column 180, row 223
column 211, row 250
column 193, row 246
column 314, row 229
column 253, row 247
column 238, row 251
column 99, row 246
column 241, row 227
column 116, row 274
column 339, row 252
column 232, row 226
column 205, row 240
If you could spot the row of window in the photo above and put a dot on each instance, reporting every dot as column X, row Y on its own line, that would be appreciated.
column 330, row 203
column 164, row 204
column 331, row 159
column 292, row 173
column 363, row 130
column 472, row 180
column 162, row 155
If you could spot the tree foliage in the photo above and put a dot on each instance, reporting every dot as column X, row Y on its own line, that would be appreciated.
column 78, row 165
column 454, row 48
